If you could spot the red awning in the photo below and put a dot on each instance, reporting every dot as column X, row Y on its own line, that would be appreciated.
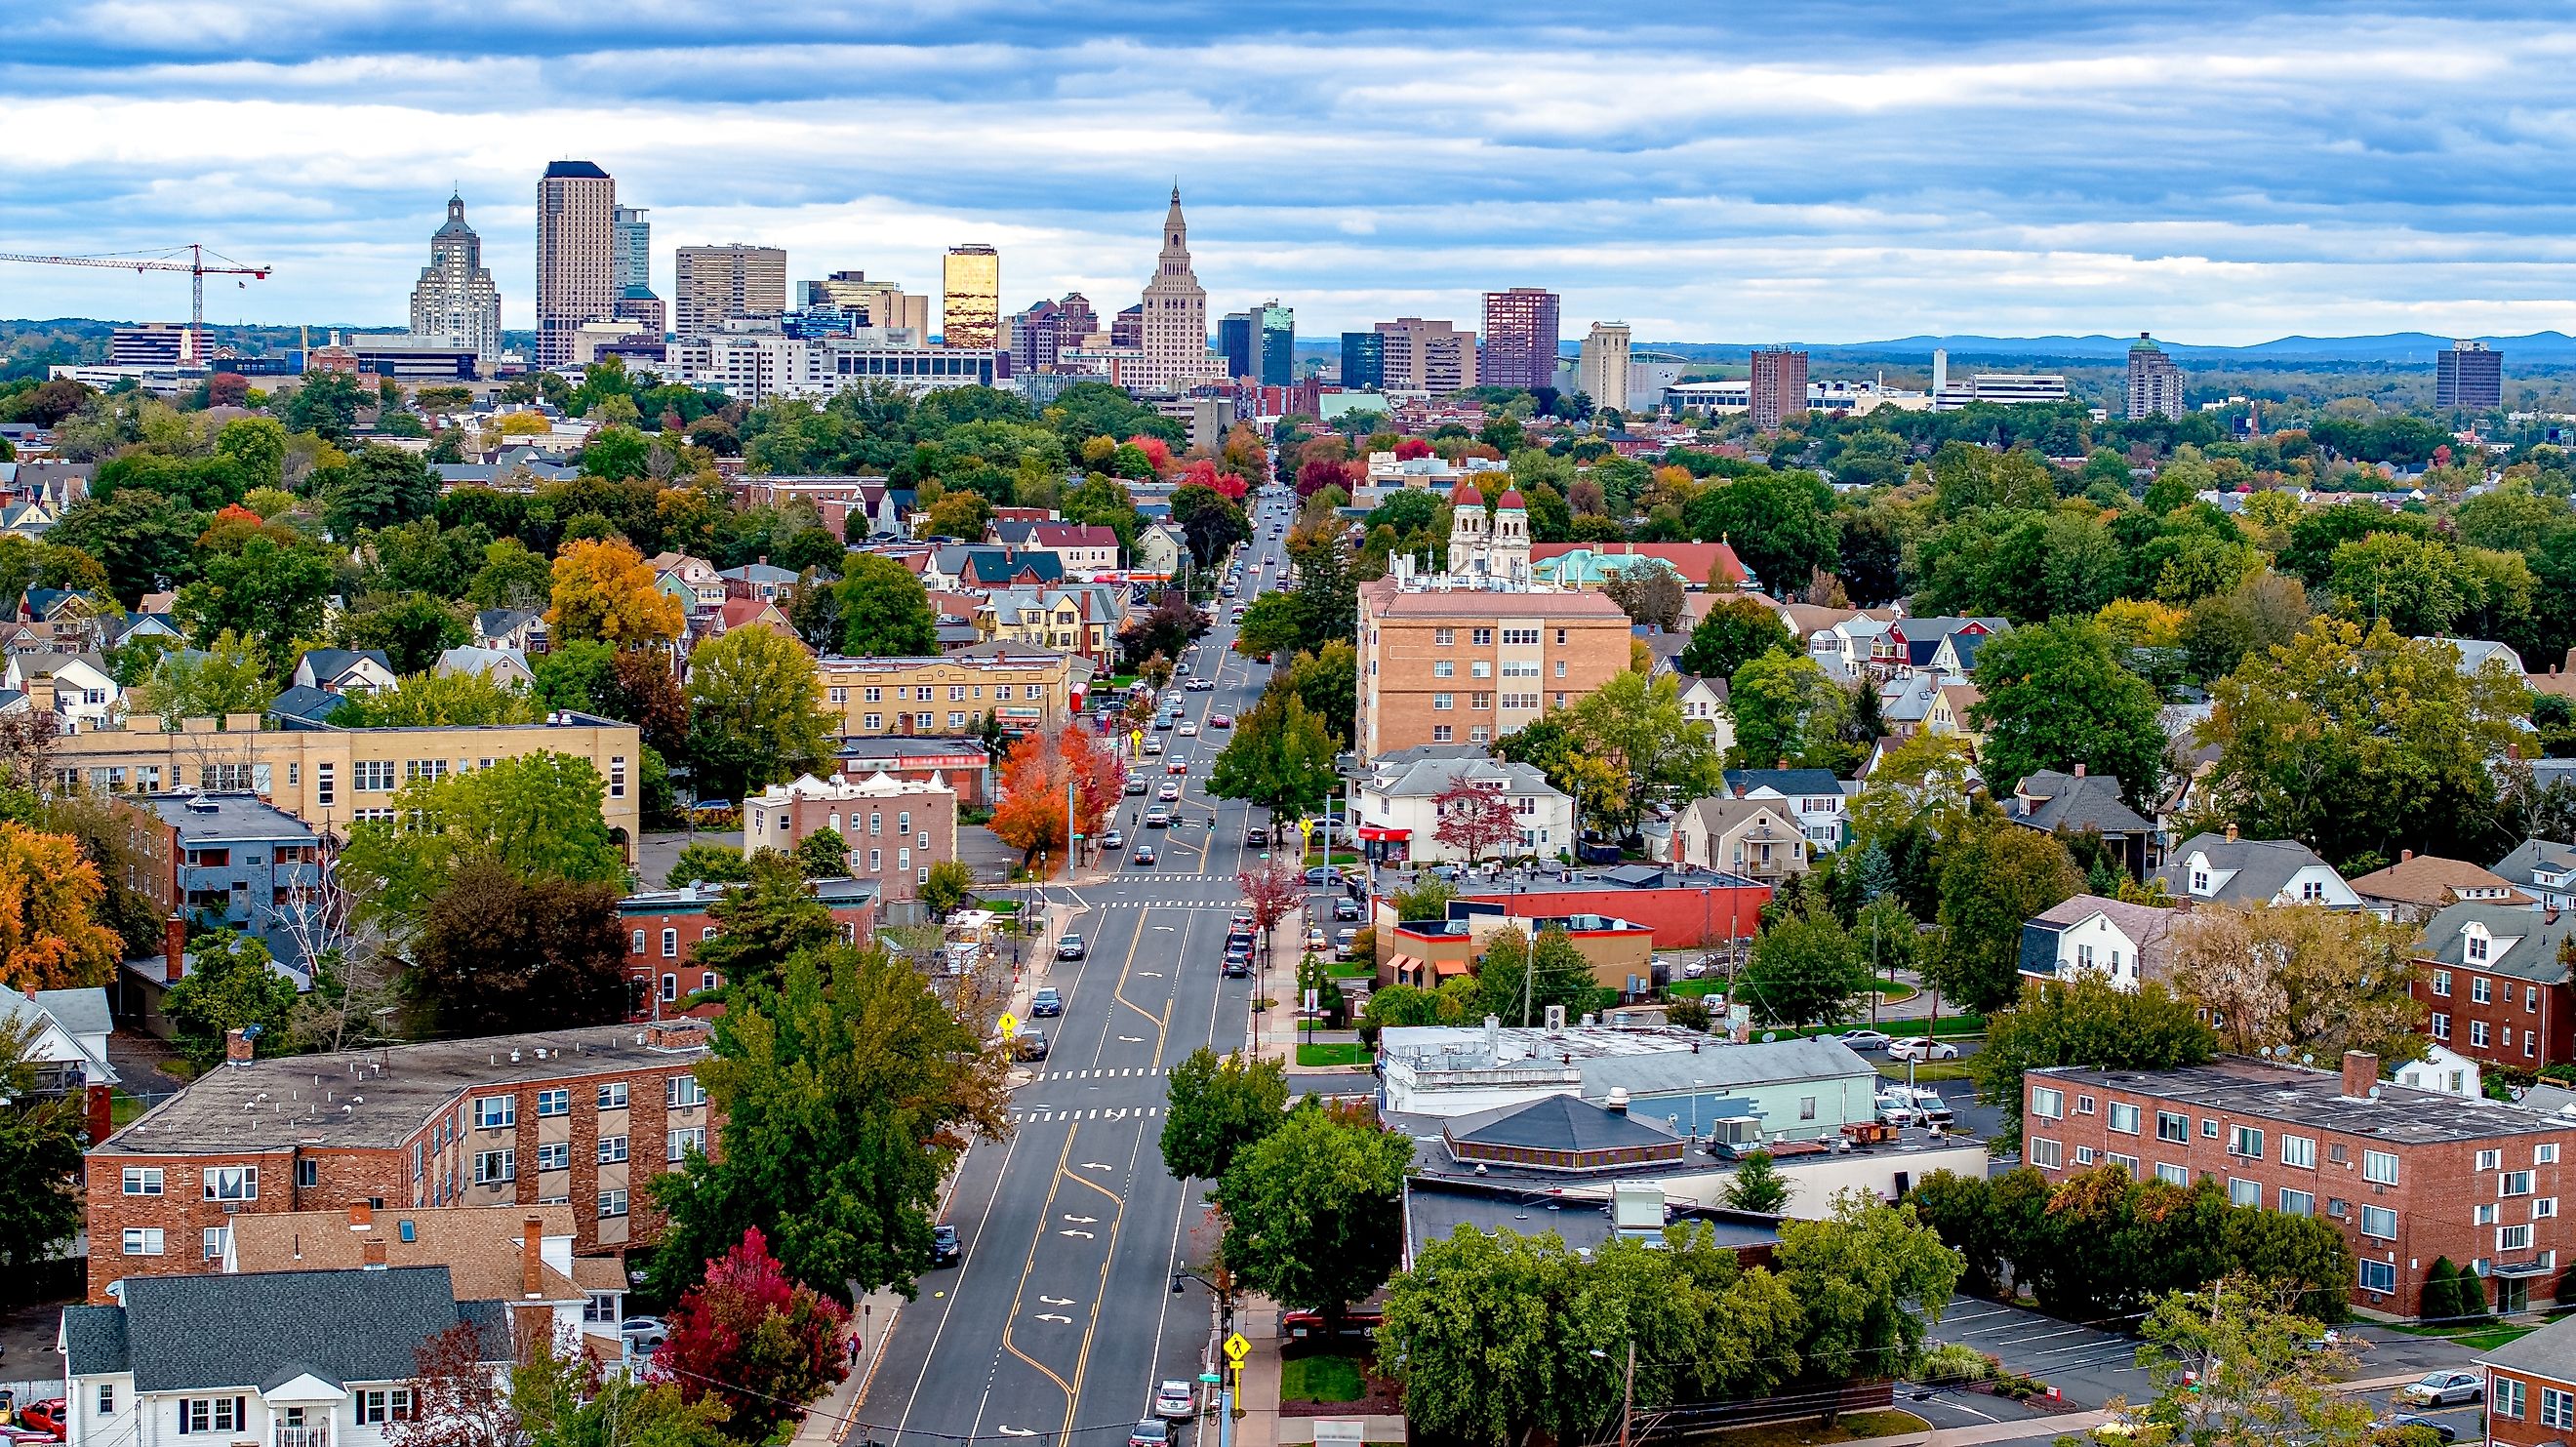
column 1371, row 831
column 1445, row 968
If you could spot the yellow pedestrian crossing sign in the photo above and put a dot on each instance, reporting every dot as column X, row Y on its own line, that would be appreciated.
column 1010, row 1025
column 1236, row 1349
column 1306, row 827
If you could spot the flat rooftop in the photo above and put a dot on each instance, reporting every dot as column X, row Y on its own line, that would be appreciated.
column 1434, row 1209
column 375, row 1099
column 228, row 817
column 2294, row 1095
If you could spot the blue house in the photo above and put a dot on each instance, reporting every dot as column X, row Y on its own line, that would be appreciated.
column 240, row 862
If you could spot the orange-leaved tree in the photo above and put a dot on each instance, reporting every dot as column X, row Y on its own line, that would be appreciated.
column 50, row 937
column 605, row 590
column 1034, row 775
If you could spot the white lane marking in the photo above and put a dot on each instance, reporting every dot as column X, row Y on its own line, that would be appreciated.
column 1095, row 1166
column 1008, row 1430
column 1083, row 1220
column 1085, row 1235
column 1051, row 1316
column 1057, row 1300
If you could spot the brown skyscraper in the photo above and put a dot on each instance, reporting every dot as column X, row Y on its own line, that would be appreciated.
column 1779, row 387
column 715, row 284
column 1520, row 339
column 576, row 277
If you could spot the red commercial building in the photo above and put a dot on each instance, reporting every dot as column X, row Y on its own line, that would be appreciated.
column 2411, row 1176
column 1686, row 908
column 665, row 926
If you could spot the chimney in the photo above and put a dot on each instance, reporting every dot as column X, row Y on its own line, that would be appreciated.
column 532, row 1261
column 2079, row 771
column 98, row 1108
column 2231, row 831
column 237, row 1048
column 2360, row 1074
column 1781, row 764
column 2405, row 856
column 174, row 949
column 1494, row 1035
column 375, row 1254
column 362, row 1216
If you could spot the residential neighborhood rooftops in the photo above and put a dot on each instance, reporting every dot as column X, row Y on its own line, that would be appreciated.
column 186, row 1333
column 482, row 1247
column 2241, row 871
column 2431, row 881
column 2512, row 939
column 2549, row 1352
column 2051, row 801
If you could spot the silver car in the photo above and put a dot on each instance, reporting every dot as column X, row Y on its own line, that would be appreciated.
column 1176, row 1401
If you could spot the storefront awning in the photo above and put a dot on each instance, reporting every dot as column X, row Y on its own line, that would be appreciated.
column 1388, row 836
column 1403, row 965
column 1445, row 968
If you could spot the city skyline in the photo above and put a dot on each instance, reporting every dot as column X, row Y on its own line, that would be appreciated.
column 2213, row 174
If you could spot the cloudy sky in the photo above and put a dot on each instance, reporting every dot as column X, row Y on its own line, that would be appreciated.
column 1834, row 170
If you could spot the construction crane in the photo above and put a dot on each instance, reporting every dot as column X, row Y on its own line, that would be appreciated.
column 138, row 261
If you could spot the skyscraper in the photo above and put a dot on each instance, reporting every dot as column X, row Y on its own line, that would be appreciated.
column 576, row 255
column 970, row 298
column 715, row 284
column 1174, row 335
column 1363, row 359
column 1779, row 387
column 1274, row 329
column 454, row 298
column 1425, row 356
column 1602, row 372
column 1520, row 338
column 880, row 303
column 631, row 248
column 2155, row 383
column 1234, row 338
column 2468, row 377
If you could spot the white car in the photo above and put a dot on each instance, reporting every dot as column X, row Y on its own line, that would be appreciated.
column 1189, row 729
column 643, row 1333
column 2441, row 1389
column 1915, row 1047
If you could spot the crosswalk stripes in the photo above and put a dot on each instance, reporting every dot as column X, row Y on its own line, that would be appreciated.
column 1106, row 1073
column 1097, row 1112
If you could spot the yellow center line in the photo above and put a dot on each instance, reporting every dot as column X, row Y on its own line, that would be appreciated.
column 1162, row 1022
column 1018, row 1292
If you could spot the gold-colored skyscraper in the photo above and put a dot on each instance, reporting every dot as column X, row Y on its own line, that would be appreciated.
column 970, row 299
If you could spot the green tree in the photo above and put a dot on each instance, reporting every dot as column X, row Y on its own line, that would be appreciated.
column 579, row 674
column 884, row 611
column 230, row 986
column 379, row 487
column 1314, row 1211
column 2085, row 1021
column 413, row 629
column 1757, row 1186
column 40, row 1157
column 1636, row 728
column 2416, row 585
column 951, row 883
column 146, row 540
column 499, row 951
column 755, row 711
column 1993, row 879
column 765, row 921
column 701, row 862
column 823, row 854
column 453, row 700
column 257, row 445
column 536, row 815
column 1519, row 977
column 1804, row 970
column 1219, row 1106
column 1281, row 758
column 1786, row 708
column 1871, row 1279
column 2056, row 697
column 1781, row 524
column 1271, row 625
column 1735, row 631
column 228, row 676
column 845, row 1096
column 1328, row 681
column 2232, row 1363
column 511, row 577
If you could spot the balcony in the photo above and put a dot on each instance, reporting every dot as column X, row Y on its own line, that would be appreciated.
column 285, row 1436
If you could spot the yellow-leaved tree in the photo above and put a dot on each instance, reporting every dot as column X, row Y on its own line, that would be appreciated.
column 605, row 590
column 50, row 937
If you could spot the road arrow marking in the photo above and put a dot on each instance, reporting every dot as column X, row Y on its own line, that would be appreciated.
column 1014, row 1431
column 1050, row 1316
column 1083, row 1220
column 1085, row 1235
column 1149, row 974
column 1057, row 1300
column 1131, row 1039
column 1094, row 1166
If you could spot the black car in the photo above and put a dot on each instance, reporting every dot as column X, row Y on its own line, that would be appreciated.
column 1256, row 837
column 1238, row 967
column 1029, row 1044
column 2403, row 1420
column 945, row 1249
column 1346, row 909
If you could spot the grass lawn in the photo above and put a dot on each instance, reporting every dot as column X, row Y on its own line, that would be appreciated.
column 2481, row 1339
column 1320, row 1379
column 1896, row 991
column 1849, row 1427
column 1925, row 1070
column 1691, row 989
column 1000, row 906
column 1349, row 969
column 123, row 1109
column 1352, row 1053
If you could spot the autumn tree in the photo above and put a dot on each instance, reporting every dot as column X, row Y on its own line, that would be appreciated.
column 1474, row 818
column 758, row 1342
column 1272, row 891
column 1031, row 816
column 1650, row 593
column 2302, row 979
column 604, row 589
column 50, row 937
column 755, row 711
column 458, row 1400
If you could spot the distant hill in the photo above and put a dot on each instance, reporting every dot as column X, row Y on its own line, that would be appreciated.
column 2401, row 348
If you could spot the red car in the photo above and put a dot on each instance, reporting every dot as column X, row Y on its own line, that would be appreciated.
column 1221, row 721
column 44, row 1416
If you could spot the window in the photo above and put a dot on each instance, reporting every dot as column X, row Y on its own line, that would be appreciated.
column 1444, row 637
column 2124, row 1118
column 2045, row 1153
column 107, row 1399
column 1484, row 638
column 372, row 776
column 2047, row 1103
column 617, row 776
column 612, row 1095
column 2513, row 1238
column 1480, row 701
column 143, row 1180
column 2083, row 1155
column 1444, row 700
column 2544, row 1208
column 2480, row 990
column 670, row 944
column 682, row 1091
column 555, row 1101
column 2478, row 1033
column 2379, row 1167
column 2545, row 1155
column 554, row 1155
column 2508, row 1400
column 611, row 1203
column 873, row 722
column 1524, row 637
column 232, row 1183
column 2557, row 1408
column 2379, row 1221
column 2490, row 1160
column 142, row 1240
column 2441, row 1025
column 215, row 1238
column 677, row 1144
column 493, row 1167
column 2171, row 1174
column 2083, row 1105
column 381, row 1404
column 1806, row 1107
column 308, row 1174
column 2125, row 1163
column 2298, row 1203
column 2246, row 1141
column 2442, row 982
column 1445, row 668
column 599, row 1306
column 2514, row 1183
column 612, row 1149
column 2380, row 1276
column 1440, row 733
column 639, row 943
column 2485, row 1215
column 1480, row 669
column 212, row 1414
column 670, row 987
column 2200, row 881
column 2299, row 1150
column 2243, row 1192
column 495, row 1112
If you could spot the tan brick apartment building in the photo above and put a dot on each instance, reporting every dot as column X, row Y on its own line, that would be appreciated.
column 1027, row 688
column 1443, row 664
column 329, row 776
column 2410, row 1175
column 573, row 1117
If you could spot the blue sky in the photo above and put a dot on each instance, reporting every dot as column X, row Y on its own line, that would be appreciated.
column 1827, row 171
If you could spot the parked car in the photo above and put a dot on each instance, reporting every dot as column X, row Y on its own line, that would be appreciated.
column 44, row 1416
column 945, row 1248
column 1346, row 909
column 1046, row 1002
column 1320, row 874
column 1856, row 1039
column 1342, row 944
column 1238, row 967
column 1029, row 1044
column 1070, row 947
column 1915, row 1047
column 1152, row 1432
column 1113, row 840
column 1930, row 1105
column 1176, row 1401
column 2441, row 1389
column 19, row 1436
column 1314, row 939
column 1300, row 1324
column 2442, row 1431
column 643, row 1333
column 1896, row 1109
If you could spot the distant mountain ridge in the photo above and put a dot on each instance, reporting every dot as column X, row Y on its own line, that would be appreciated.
column 2416, row 347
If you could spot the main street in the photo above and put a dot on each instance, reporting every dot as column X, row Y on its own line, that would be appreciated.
column 1060, row 1319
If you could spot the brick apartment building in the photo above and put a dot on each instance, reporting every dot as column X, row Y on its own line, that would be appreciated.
column 1025, row 688
column 566, row 1117
column 2494, row 985
column 665, row 926
column 1441, row 664
column 2411, row 1176
column 895, row 828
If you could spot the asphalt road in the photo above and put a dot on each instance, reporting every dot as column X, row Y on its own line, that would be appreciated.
column 1060, row 1319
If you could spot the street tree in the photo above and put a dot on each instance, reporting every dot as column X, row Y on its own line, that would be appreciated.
column 2234, row 1363
column 1787, row 709
column 2302, row 979
column 535, row 815
column 1994, row 878
column 1219, row 1106
column 2088, row 1021
column 1281, row 758
column 1314, row 1211
column 1734, row 632
column 1805, row 969
column 1327, row 681
column 1519, row 977
column 759, row 1343
column 1272, row 890
column 951, row 883
column 604, row 589
column 698, row 863
column 885, row 613
column 1871, row 1279
column 2056, row 697
column 846, row 1096
column 1031, row 815
column 1663, row 757
column 499, row 951
column 1474, row 818
column 756, row 713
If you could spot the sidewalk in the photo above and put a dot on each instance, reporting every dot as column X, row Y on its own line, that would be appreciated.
column 828, row 1421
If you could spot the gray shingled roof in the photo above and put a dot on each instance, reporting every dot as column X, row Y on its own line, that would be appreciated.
column 2534, row 854
column 2524, row 942
column 195, row 1333
column 2064, row 801
column 2262, row 866
column 1558, row 1123
column 2549, row 1352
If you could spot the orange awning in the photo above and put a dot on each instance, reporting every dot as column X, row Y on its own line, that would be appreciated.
column 1403, row 964
column 1446, row 968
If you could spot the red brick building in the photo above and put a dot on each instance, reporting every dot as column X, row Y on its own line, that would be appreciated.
column 571, row 1117
column 2531, row 1387
column 1686, row 908
column 665, row 926
column 2494, row 985
column 2411, row 1176
column 895, row 828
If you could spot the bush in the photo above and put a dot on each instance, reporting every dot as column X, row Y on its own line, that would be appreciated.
column 1955, row 1362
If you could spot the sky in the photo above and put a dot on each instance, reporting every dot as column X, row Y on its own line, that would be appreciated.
column 1830, row 171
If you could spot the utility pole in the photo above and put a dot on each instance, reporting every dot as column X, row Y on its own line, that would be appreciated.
column 1628, row 1394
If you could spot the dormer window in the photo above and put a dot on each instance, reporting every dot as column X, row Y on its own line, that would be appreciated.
column 2474, row 943
column 2199, row 880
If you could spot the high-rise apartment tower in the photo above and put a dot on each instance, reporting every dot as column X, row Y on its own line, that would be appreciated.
column 576, row 255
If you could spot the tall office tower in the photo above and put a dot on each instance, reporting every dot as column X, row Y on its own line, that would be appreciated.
column 2468, row 377
column 1274, row 329
column 1779, row 388
column 1174, row 335
column 1080, row 320
column 1601, row 373
column 454, row 299
column 1520, row 339
column 875, row 303
column 970, row 298
column 1234, row 337
column 716, row 284
column 1038, row 334
column 1425, row 356
column 2155, row 383
column 1363, row 359
column 576, row 255
column 1127, row 329
column 631, row 248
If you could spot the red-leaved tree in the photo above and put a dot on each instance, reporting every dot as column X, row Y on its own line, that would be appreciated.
column 1156, row 450
column 1203, row 472
column 460, row 1398
column 1321, row 473
column 759, row 1343
column 1030, row 816
column 1411, row 448
column 1272, row 891
column 1474, row 818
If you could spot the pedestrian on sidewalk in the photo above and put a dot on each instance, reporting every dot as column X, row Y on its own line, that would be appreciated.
column 855, row 1346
